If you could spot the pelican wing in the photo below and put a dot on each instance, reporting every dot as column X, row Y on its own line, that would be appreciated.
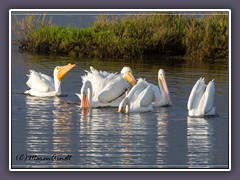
column 48, row 80
column 137, row 89
column 113, row 90
column 207, row 100
column 103, row 74
column 141, row 93
column 146, row 97
column 98, row 79
column 40, row 82
column 157, row 98
column 95, row 74
column 141, row 97
column 196, row 94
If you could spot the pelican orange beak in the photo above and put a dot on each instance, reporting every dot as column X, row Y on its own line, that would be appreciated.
column 130, row 78
column 64, row 70
column 165, row 87
column 85, row 104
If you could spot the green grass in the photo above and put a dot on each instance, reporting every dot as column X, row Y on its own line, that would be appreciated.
column 130, row 37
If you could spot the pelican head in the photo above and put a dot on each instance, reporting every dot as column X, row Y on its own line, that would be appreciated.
column 124, row 106
column 60, row 71
column 163, row 84
column 86, row 95
column 128, row 75
column 58, row 74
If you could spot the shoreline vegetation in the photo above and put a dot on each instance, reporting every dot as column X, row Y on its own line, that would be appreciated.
column 193, row 38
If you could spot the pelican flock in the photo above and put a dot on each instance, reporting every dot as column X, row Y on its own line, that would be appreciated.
column 42, row 85
column 105, row 89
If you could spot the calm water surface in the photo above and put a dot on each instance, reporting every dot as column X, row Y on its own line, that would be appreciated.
column 165, row 138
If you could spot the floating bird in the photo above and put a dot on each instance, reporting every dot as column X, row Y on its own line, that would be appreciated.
column 139, row 99
column 101, row 89
column 161, row 92
column 144, row 96
column 201, row 99
column 42, row 85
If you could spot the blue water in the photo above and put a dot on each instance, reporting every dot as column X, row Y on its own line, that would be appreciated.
column 165, row 138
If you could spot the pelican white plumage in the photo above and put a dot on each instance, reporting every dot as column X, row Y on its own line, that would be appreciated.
column 161, row 93
column 105, row 89
column 144, row 96
column 139, row 99
column 42, row 85
column 201, row 99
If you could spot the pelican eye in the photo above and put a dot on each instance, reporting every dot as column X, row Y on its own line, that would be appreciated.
column 58, row 68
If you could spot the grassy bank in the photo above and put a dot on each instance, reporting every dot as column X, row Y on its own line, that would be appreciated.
column 200, row 39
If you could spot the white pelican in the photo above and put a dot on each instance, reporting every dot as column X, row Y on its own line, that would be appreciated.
column 101, row 89
column 139, row 98
column 144, row 96
column 201, row 99
column 161, row 92
column 42, row 85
